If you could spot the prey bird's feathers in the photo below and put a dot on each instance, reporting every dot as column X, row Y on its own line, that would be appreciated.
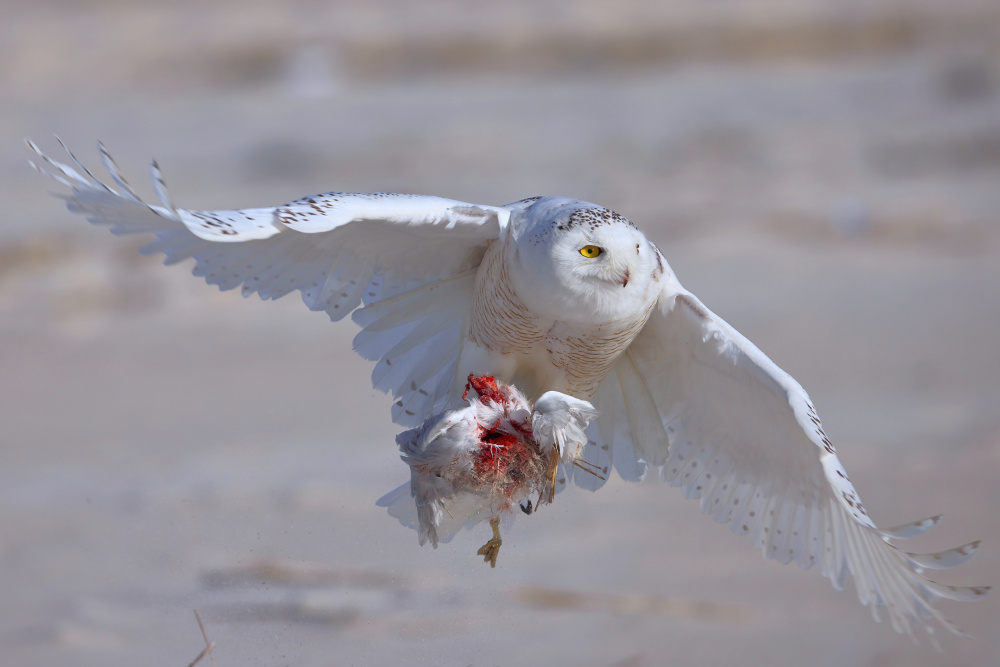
column 481, row 461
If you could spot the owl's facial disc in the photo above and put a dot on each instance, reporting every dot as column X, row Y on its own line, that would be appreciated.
column 608, row 257
column 581, row 262
column 610, row 265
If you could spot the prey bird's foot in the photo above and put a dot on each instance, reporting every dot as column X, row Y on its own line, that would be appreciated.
column 491, row 549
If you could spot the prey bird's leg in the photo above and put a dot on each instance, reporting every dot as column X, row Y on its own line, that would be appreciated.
column 491, row 549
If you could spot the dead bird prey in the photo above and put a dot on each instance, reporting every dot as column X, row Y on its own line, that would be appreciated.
column 482, row 461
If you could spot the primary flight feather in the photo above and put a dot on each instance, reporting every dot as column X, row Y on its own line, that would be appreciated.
column 555, row 294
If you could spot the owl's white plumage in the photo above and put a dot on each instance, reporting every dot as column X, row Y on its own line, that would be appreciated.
column 559, row 421
column 447, row 288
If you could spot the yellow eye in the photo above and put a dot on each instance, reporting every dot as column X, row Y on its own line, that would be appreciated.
column 590, row 251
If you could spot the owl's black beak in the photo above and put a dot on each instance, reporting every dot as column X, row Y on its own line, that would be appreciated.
column 625, row 278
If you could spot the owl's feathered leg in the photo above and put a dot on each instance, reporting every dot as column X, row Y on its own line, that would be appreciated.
column 491, row 549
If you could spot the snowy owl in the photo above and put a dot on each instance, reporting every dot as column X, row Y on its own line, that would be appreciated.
column 555, row 294
column 482, row 461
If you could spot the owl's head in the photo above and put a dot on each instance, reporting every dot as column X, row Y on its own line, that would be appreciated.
column 581, row 262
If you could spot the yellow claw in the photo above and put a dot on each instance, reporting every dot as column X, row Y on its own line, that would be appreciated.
column 491, row 549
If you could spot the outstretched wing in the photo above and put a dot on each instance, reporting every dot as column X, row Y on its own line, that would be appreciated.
column 409, row 259
column 338, row 249
column 699, row 402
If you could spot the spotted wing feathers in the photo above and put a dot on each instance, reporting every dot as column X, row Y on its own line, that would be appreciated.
column 733, row 430
column 338, row 249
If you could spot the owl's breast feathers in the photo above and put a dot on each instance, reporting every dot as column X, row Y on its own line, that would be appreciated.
column 500, row 322
column 554, row 356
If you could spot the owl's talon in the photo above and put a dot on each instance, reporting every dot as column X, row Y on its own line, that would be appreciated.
column 491, row 549
column 550, row 477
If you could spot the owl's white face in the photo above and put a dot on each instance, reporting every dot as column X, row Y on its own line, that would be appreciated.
column 580, row 262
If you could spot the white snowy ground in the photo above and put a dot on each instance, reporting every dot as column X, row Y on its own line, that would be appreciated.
column 165, row 447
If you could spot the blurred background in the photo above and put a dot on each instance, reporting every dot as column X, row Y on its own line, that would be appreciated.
column 823, row 174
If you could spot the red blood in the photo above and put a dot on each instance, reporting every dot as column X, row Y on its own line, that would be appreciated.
column 510, row 464
column 494, row 456
column 485, row 387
